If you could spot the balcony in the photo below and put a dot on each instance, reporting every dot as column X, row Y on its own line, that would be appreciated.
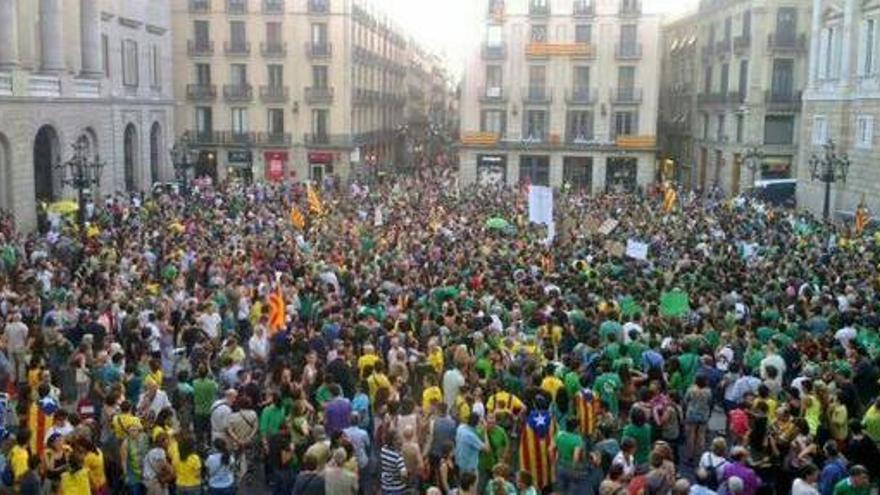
column 583, row 8
column 742, row 43
column 273, row 49
column 319, row 6
column 706, row 52
column 628, row 51
column 539, row 95
column 722, row 47
column 580, row 96
column 273, row 6
column 626, row 96
column 240, row 138
column 199, row 6
column 236, row 7
column 544, row 50
column 274, row 138
column 732, row 97
column 237, row 48
column 205, row 138
column 319, row 50
column 580, row 137
column 493, row 94
column 494, row 52
column 539, row 8
column 201, row 92
column 630, row 8
column 365, row 96
column 496, row 10
column 787, row 43
column 782, row 101
column 274, row 94
column 317, row 96
column 324, row 140
column 238, row 92
column 199, row 48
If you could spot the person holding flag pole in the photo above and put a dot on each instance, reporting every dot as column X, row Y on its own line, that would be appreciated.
column 669, row 198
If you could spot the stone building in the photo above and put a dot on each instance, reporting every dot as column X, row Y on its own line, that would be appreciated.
column 678, row 97
column 92, row 70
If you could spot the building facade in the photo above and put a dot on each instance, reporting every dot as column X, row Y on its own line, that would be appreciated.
column 749, row 67
column 92, row 70
column 562, row 92
column 678, row 97
column 841, row 103
column 289, row 89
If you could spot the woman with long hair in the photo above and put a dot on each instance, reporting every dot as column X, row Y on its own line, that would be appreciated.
column 188, row 467
column 221, row 470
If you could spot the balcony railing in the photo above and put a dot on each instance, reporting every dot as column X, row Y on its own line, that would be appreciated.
column 196, row 48
column 534, row 135
column 237, row 47
column 722, row 47
column 319, row 6
column 319, row 95
column 626, row 95
column 205, row 137
column 274, row 94
column 537, row 94
column 496, row 9
column 319, row 50
column 783, row 101
column 583, row 8
column 628, row 51
column 273, row 6
column 539, row 9
column 240, row 138
column 236, row 6
column 201, row 92
column 731, row 97
column 630, row 9
column 273, row 49
column 327, row 140
column 493, row 94
column 238, row 92
column 787, row 43
column 580, row 137
column 494, row 52
column 741, row 43
column 580, row 96
column 274, row 138
column 199, row 6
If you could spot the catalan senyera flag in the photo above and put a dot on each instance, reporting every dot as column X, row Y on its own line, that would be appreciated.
column 669, row 199
column 296, row 218
column 277, row 311
column 863, row 217
column 534, row 447
column 587, row 407
column 315, row 205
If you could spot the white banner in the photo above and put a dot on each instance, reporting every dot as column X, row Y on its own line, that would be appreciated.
column 541, row 205
column 636, row 249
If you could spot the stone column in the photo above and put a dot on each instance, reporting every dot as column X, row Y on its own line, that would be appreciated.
column 815, row 42
column 8, row 35
column 90, row 39
column 51, row 38
column 849, row 43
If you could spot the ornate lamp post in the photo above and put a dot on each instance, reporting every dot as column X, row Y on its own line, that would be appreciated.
column 82, row 173
column 753, row 158
column 180, row 158
column 829, row 168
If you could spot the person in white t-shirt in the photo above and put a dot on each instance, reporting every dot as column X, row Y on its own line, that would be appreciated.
column 805, row 484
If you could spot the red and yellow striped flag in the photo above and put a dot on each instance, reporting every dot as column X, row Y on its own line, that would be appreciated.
column 669, row 199
column 315, row 205
column 277, row 311
column 588, row 408
column 534, row 448
column 863, row 218
column 296, row 218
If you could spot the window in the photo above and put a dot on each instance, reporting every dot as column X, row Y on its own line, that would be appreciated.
column 783, row 79
column 319, row 34
column 319, row 76
column 276, row 75
column 865, row 129
column 580, row 127
column 276, row 121
column 538, row 34
column 720, row 136
column 204, row 120
column 820, row 130
column 625, row 123
column 743, row 79
column 319, row 123
column 534, row 170
column 740, row 122
column 239, row 120
column 493, row 121
column 273, row 33
column 583, row 33
column 537, row 81
column 203, row 74
column 728, row 29
column 725, row 78
column 628, row 37
column 711, row 34
column 535, row 124
column 626, row 77
column 829, row 53
column 129, row 63
column 201, row 30
column 581, row 79
column 577, row 172
column 493, row 36
column 155, row 64
column 869, row 40
column 707, row 80
column 493, row 79
column 747, row 24
column 778, row 129
column 705, row 126
column 105, row 50
column 786, row 25
column 238, row 75
column 237, row 34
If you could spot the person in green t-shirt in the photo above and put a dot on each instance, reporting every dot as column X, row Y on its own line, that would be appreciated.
column 271, row 418
column 858, row 482
column 608, row 385
column 639, row 430
column 204, row 395
column 499, row 443
column 569, row 452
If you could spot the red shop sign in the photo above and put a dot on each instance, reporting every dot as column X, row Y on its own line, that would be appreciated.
column 275, row 164
column 320, row 157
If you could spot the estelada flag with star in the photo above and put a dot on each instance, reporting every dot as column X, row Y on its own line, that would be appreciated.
column 588, row 409
column 315, row 205
column 534, row 447
column 863, row 217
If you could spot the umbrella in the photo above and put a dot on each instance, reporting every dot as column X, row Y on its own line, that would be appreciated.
column 497, row 223
column 66, row 207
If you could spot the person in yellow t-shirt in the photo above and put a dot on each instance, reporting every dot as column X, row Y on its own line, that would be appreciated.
column 504, row 402
column 431, row 394
column 377, row 379
column 551, row 383
column 435, row 358
column 124, row 420
column 369, row 358
column 75, row 481
column 188, row 467
column 93, row 461
column 164, row 424
column 18, row 455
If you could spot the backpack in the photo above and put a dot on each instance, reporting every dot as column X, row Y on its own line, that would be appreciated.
column 713, row 472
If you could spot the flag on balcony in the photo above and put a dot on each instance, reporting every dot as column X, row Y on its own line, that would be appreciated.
column 669, row 199
column 315, row 205
column 296, row 218
column 863, row 217
column 277, row 311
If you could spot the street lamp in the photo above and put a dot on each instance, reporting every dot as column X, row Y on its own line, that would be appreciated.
column 82, row 174
column 180, row 158
column 753, row 158
column 829, row 168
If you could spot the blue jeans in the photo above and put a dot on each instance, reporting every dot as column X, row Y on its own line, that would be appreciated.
column 222, row 491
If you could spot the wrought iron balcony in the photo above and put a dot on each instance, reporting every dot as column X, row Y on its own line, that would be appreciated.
column 273, row 49
column 722, row 47
column 199, row 6
column 273, row 6
column 494, row 52
column 201, row 92
column 580, row 137
column 580, row 96
column 240, row 138
column 537, row 95
column 205, row 138
column 319, row 6
column 742, row 43
column 274, row 138
column 583, row 8
column 238, row 92
column 242, row 48
column 199, row 48
column 626, row 95
column 787, row 43
column 274, row 94
column 539, row 8
column 630, row 8
column 628, row 51
column 782, row 100
column 316, row 95
column 319, row 50
column 493, row 94
column 327, row 140
column 236, row 6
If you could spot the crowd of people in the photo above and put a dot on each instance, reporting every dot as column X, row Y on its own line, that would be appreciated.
column 389, row 338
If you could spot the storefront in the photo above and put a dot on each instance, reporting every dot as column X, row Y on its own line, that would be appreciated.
column 577, row 173
column 240, row 163
column 776, row 167
column 620, row 175
column 534, row 170
column 491, row 169
column 320, row 165
column 276, row 164
column 206, row 165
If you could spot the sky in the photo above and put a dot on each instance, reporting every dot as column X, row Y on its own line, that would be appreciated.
column 451, row 28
